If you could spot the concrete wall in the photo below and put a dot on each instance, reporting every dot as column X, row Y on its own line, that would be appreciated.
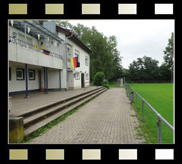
column 63, row 79
column 53, row 79
column 70, row 80
column 19, row 85
column 20, row 54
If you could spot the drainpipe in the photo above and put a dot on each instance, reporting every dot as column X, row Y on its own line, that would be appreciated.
column 67, row 60
column 25, row 33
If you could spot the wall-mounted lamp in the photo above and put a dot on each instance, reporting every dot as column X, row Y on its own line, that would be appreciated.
column 28, row 29
column 11, row 22
column 38, row 36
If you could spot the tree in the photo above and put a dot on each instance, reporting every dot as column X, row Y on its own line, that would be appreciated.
column 98, row 78
column 144, row 68
column 168, row 57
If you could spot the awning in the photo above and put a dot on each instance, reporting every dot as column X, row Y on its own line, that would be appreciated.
column 35, row 29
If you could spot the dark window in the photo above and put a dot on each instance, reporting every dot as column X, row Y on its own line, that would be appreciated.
column 9, row 73
column 20, row 74
column 31, row 74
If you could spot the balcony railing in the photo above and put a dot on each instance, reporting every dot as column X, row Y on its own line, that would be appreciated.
column 33, row 47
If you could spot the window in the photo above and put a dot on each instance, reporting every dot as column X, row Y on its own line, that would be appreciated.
column 78, row 58
column 77, row 75
column 86, row 61
column 86, row 76
column 15, row 35
column 20, row 74
column 31, row 74
column 9, row 73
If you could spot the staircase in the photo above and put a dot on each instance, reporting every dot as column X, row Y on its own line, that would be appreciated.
column 42, row 116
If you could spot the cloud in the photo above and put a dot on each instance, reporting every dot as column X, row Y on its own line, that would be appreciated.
column 135, row 38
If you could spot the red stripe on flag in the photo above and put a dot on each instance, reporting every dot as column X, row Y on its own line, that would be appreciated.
column 74, row 60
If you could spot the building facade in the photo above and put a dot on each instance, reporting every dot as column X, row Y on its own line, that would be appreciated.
column 39, row 58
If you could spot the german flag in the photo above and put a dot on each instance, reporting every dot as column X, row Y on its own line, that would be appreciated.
column 46, row 52
column 73, row 62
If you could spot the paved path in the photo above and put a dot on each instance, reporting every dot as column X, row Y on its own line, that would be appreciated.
column 108, row 119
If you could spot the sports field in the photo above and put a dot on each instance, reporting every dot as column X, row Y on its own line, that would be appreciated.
column 160, row 97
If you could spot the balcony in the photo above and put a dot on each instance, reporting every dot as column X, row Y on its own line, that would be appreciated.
column 20, row 51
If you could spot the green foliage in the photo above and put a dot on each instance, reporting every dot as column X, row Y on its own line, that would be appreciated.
column 144, row 68
column 106, row 85
column 168, row 57
column 98, row 78
column 105, row 82
column 147, row 68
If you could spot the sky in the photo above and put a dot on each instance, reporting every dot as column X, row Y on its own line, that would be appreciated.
column 136, row 38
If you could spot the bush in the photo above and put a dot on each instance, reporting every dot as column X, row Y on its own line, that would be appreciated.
column 98, row 78
column 106, row 85
column 105, row 82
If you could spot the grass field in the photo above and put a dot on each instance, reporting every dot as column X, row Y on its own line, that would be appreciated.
column 160, row 97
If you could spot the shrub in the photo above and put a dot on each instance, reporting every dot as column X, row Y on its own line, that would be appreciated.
column 105, row 82
column 106, row 85
column 98, row 78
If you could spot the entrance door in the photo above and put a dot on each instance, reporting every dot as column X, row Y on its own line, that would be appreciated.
column 82, row 80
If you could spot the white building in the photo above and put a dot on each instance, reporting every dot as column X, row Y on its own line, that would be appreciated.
column 39, row 58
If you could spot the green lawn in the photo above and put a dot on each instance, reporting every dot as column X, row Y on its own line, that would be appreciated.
column 160, row 97
column 113, row 85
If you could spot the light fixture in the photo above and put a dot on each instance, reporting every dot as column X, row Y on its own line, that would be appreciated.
column 11, row 22
column 38, row 36
column 28, row 29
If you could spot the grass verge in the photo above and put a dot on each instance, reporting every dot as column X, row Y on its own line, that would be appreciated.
column 160, row 97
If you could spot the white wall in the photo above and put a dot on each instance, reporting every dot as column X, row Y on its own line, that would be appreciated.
column 53, row 79
column 70, row 80
column 63, row 79
column 83, row 68
column 19, row 85
column 20, row 54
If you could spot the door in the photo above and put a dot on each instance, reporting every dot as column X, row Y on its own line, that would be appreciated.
column 82, row 80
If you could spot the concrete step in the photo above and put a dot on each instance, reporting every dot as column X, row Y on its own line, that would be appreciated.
column 28, row 121
column 32, row 111
column 28, row 131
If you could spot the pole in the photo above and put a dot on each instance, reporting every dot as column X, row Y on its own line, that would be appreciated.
column 60, row 79
column 159, row 130
column 46, row 80
column 26, row 80
column 25, row 34
column 143, row 109
column 137, row 101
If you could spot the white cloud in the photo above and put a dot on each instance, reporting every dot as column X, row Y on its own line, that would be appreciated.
column 136, row 38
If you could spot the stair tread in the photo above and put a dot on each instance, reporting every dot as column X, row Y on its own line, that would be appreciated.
column 42, row 123
column 34, row 109
column 51, row 109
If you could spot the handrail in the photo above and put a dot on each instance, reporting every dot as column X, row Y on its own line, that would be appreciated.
column 160, row 118
column 168, row 124
column 30, row 46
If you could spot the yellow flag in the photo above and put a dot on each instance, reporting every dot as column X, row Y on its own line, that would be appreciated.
column 72, row 63
column 42, row 46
